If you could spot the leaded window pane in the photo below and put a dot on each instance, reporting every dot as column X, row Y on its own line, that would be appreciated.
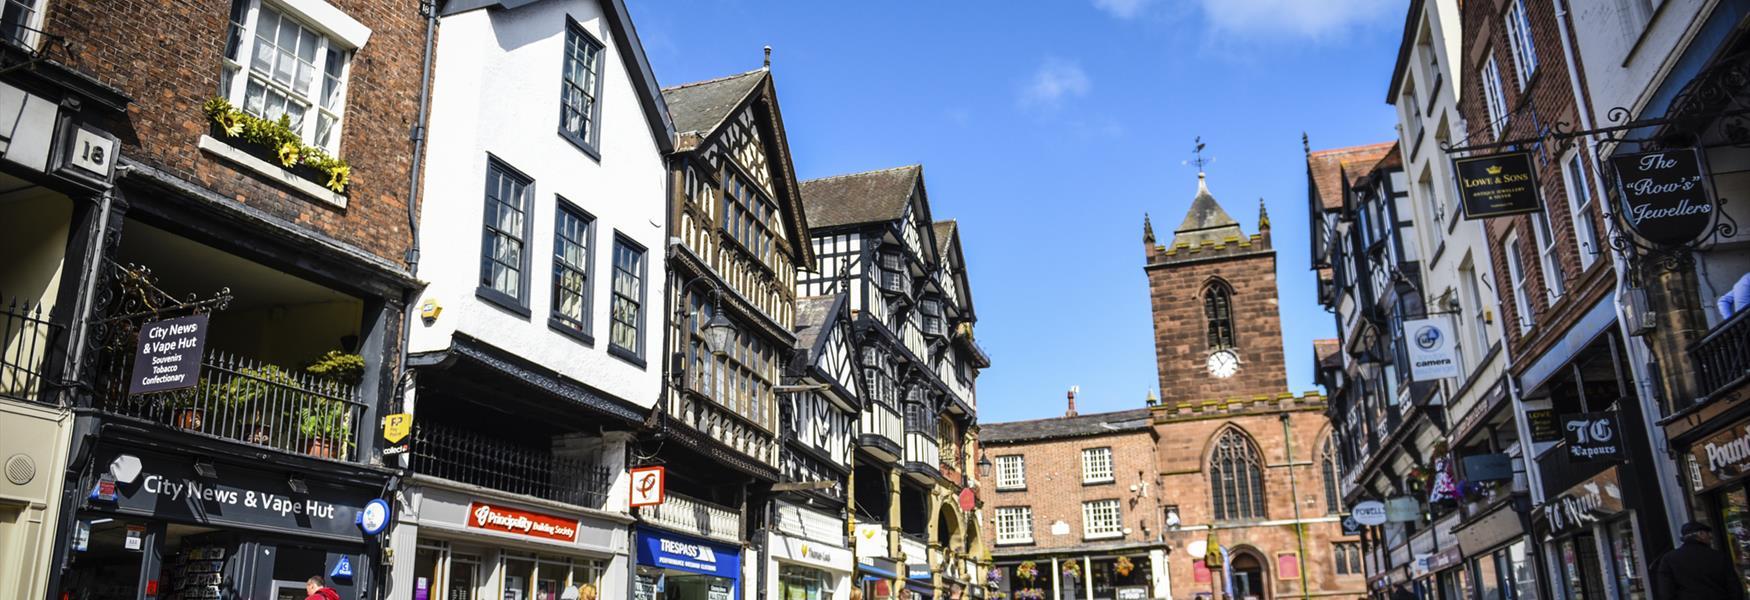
column 1236, row 478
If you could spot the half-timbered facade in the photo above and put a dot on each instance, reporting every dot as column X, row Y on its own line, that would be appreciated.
column 904, row 276
column 737, row 234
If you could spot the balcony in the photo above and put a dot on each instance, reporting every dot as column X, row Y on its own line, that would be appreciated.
column 26, row 340
column 922, row 454
column 244, row 400
column 468, row 457
column 694, row 517
column 1722, row 358
column 881, row 431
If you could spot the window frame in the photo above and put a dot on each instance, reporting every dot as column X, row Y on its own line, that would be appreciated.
column 581, row 329
column 1494, row 96
column 1520, row 42
column 1217, row 298
column 1249, row 498
column 1550, row 263
column 518, row 304
column 1093, row 508
column 1020, row 522
column 1091, row 457
column 27, row 31
column 1520, row 279
column 751, row 362
column 1574, row 177
column 234, row 72
column 1019, row 468
column 631, row 355
column 590, row 145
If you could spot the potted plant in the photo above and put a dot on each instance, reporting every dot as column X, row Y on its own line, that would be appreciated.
column 327, row 425
column 250, row 393
column 274, row 141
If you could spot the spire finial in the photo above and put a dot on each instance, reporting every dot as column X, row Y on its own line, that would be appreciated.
column 1198, row 154
column 768, row 56
column 1305, row 146
column 1263, row 215
column 1148, row 230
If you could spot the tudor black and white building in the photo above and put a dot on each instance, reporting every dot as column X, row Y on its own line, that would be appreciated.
column 904, row 276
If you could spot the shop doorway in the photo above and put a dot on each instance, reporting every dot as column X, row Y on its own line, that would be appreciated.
column 1580, row 567
column 109, row 555
column 1248, row 577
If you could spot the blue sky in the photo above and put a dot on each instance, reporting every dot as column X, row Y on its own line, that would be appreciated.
column 1048, row 129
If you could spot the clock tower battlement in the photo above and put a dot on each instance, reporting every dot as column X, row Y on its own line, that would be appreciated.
column 1212, row 289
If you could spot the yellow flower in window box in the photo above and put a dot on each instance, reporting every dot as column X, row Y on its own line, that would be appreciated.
column 289, row 153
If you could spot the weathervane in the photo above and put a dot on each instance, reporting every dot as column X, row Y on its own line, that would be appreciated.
column 1198, row 154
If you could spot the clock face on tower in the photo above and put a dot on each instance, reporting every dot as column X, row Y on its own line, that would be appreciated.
column 1223, row 364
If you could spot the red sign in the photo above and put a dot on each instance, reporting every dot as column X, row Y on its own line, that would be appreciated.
column 968, row 499
column 510, row 520
column 648, row 486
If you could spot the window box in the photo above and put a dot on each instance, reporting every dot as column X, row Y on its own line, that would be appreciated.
column 272, row 142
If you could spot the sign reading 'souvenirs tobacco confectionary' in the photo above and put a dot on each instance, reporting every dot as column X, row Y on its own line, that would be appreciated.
column 1665, row 196
column 1497, row 184
column 169, row 355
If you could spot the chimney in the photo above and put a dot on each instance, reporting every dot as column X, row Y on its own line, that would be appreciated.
column 1072, row 401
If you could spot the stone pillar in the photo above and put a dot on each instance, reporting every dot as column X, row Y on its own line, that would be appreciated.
column 893, row 530
column 1056, row 581
column 1088, row 578
column 1678, row 321
column 1159, row 574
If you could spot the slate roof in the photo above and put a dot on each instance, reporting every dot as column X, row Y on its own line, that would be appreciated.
column 1064, row 427
column 1206, row 220
column 1325, row 353
column 1327, row 168
column 703, row 105
column 867, row 197
column 813, row 314
column 945, row 235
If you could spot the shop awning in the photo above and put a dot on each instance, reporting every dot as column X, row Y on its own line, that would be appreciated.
column 874, row 572
column 666, row 550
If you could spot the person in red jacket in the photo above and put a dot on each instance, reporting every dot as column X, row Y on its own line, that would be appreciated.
column 319, row 591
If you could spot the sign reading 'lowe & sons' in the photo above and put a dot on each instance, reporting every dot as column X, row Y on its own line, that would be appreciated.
column 1497, row 184
column 1665, row 196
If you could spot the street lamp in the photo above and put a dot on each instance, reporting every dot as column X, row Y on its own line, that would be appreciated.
column 719, row 331
column 984, row 466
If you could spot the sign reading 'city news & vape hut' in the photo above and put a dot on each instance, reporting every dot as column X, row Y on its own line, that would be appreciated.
column 169, row 356
column 1497, row 185
column 1665, row 197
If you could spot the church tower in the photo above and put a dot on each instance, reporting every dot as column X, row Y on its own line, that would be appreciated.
column 1218, row 334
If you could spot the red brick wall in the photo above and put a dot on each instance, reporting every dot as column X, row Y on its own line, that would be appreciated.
column 1181, row 332
column 1056, row 493
column 167, row 56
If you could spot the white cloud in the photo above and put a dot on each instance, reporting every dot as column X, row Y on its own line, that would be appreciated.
column 1055, row 80
column 1123, row 9
column 1302, row 18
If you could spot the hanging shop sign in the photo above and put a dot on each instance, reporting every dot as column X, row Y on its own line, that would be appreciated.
column 1721, row 457
column 1596, row 498
column 1592, row 436
column 648, row 486
column 169, row 355
column 167, row 487
column 521, row 522
column 396, row 428
column 1497, row 185
column 1351, row 526
column 1665, row 196
column 1543, row 425
column 1433, row 355
column 661, row 549
column 1402, row 509
column 1369, row 513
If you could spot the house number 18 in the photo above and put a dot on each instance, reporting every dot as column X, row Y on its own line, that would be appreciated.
column 92, row 152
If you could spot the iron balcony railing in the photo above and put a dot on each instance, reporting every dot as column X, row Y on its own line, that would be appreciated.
column 27, row 338
column 249, row 401
column 469, row 457
column 1722, row 358
column 695, row 517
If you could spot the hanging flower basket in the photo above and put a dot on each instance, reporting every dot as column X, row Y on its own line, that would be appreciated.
column 1123, row 566
column 275, row 142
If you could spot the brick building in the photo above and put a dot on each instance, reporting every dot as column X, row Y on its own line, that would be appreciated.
column 1239, row 462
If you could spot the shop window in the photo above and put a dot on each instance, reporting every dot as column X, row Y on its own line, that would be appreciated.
column 800, row 583
column 1625, row 560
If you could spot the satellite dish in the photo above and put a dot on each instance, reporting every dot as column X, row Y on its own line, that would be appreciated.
column 1197, row 548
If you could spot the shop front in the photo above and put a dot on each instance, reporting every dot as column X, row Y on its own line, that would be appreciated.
column 876, row 575
column 1500, row 558
column 806, row 569
column 672, row 566
column 1717, row 468
column 1593, row 541
column 195, row 525
column 465, row 543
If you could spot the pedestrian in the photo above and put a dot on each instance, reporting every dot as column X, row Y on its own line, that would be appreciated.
column 1402, row 592
column 1695, row 570
column 319, row 591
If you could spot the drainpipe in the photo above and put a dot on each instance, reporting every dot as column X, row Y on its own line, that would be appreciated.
column 1294, row 500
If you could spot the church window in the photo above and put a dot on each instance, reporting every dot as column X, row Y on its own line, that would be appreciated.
column 1328, row 462
column 1236, row 478
column 1218, row 312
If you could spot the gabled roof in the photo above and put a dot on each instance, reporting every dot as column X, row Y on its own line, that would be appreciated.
column 1328, row 170
column 944, row 234
column 857, row 198
column 701, row 106
column 948, row 242
column 1325, row 353
column 814, row 316
column 1065, row 427
column 630, row 49
column 1206, row 220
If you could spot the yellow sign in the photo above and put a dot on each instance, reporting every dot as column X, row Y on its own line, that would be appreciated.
column 397, row 426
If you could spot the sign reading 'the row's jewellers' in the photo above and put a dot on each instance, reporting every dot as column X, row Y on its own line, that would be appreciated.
column 1497, row 185
column 1665, row 196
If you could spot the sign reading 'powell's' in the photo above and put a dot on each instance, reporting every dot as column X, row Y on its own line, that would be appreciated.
column 169, row 357
column 1665, row 197
column 1497, row 184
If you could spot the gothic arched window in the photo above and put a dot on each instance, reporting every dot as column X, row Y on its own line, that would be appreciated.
column 1328, row 461
column 1236, row 478
column 1218, row 312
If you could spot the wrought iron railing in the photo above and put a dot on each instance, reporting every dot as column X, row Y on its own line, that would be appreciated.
column 26, row 340
column 489, row 462
column 1722, row 358
column 693, row 516
column 245, row 400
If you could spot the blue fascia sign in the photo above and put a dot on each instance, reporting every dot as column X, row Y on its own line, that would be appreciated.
column 666, row 550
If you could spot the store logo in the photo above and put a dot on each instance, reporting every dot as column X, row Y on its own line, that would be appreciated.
column 693, row 551
column 1428, row 337
column 486, row 516
column 1724, row 457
